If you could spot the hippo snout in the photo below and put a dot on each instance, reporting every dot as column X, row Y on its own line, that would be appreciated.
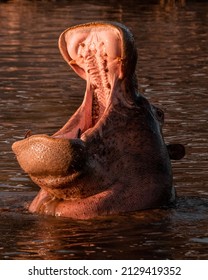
column 42, row 155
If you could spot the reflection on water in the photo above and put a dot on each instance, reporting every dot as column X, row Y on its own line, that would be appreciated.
column 39, row 92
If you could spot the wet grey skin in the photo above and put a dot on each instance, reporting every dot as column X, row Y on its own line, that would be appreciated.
column 110, row 157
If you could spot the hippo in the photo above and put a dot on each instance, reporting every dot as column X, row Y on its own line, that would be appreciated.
column 110, row 157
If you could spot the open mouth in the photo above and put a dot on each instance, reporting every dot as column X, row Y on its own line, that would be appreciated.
column 104, row 55
column 95, row 52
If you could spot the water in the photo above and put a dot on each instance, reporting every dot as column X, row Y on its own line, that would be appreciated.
column 38, row 91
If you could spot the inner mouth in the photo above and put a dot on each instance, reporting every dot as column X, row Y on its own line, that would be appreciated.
column 94, row 52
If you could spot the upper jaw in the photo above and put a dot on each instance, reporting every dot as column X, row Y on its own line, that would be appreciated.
column 99, row 42
column 97, row 53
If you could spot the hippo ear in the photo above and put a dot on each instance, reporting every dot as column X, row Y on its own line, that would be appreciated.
column 176, row 151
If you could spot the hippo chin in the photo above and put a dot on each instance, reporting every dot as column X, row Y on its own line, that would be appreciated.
column 110, row 157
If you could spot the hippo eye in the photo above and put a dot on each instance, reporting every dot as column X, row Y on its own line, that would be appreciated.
column 160, row 115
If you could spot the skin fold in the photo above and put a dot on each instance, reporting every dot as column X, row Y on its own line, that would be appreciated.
column 110, row 157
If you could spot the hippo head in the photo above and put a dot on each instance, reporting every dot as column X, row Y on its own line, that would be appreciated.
column 110, row 156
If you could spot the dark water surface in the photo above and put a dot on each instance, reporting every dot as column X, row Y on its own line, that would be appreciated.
column 38, row 91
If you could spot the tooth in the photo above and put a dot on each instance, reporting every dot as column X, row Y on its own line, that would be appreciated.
column 28, row 133
column 72, row 62
column 120, row 58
